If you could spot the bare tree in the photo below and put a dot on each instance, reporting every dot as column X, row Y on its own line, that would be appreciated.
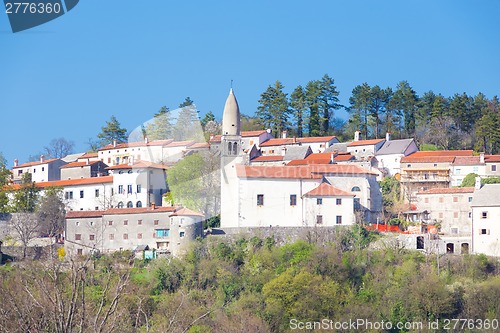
column 60, row 147
column 26, row 227
column 51, row 213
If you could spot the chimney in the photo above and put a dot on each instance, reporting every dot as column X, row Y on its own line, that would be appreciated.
column 212, row 137
column 87, row 162
column 153, row 206
column 283, row 134
column 294, row 139
column 332, row 158
column 131, row 160
column 114, row 143
column 283, row 151
column 481, row 157
column 477, row 186
column 146, row 140
column 356, row 135
column 387, row 136
column 16, row 162
column 42, row 158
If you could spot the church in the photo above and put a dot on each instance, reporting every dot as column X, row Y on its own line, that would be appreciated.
column 290, row 196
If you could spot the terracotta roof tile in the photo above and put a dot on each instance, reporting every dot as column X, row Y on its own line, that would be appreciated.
column 252, row 133
column 200, row 145
column 76, row 182
column 138, row 165
column 137, row 144
column 78, row 164
column 187, row 143
column 292, row 141
column 299, row 172
column 365, row 142
column 268, row 158
column 74, row 214
column 216, row 139
column 491, row 158
column 438, row 156
column 466, row 160
column 186, row 212
column 24, row 165
column 143, row 210
column 327, row 190
column 89, row 155
column 451, row 190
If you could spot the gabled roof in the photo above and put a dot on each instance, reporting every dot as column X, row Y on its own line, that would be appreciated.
column 365, row 142
column 300, row 172
column 137, row 144
column 487, row 196
column 467, row 160
column 79, row 164
column 216, row 139
column 268, row 158
column 316, row 139
column 297, row 152
column 327, row 190
column 186, row 212
column 142, row 210
column 451, row 190
column 296, row 141
column 200, row 145
column 246, row 134
column 138, row 165
column 491, row 158
column 186, row 143
column 75, row 214
column 437, row 156
column 89, row 155
column 29, row 164
column 394, row 147
column 72, row 157
column 76, row 182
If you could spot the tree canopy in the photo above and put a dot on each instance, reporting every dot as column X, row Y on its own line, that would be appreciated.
column 112, row 131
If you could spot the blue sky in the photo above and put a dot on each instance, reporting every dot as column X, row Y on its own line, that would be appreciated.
column 129, row 58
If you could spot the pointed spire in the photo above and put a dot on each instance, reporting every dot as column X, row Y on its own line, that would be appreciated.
column 231, row 116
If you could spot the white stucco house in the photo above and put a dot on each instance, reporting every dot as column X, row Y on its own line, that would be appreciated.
column 485, row 220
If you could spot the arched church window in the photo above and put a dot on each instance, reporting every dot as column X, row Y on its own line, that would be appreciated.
column 229, row 147
column 235, row 148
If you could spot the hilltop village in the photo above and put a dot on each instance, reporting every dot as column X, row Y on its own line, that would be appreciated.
column 117, row 198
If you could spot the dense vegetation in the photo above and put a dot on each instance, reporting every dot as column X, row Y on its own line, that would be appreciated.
column 249, row 285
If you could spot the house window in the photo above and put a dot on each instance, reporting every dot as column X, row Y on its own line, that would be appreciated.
column 110, row 222
column 139, row 222
column 441, row 200
column 260, row 199
column 120, row 204
column 182, row 234
column 156, row 222
column 129, row 189
column 138, row 204
column 426, row 200
column 79, row 252
column 120, row 189
column 440, row 215
column 19, row 172
column 125, row 222
column 125, row 236
column 97, row 193
column 81, row 194
column 470, row 199
column 484, row 231
column 78, row 237
column 34, row 170
column 339, row 201
column 139, row 236
column 130, row 204
column 470, row 215
column 457, row 171
column 357, row 203
column 355, row 189
column 68, row 195
column 319, row 219
column 493, row 168
column 454, row 231
column 91, row 237
column 43, row 168
column 111, row 236
column 475, row 169
column 455, row 215
column 77, row 223
column 138, row 188
column 484, row 215
column 339, row 219
column 293, row 200
column 319, row 201
column 455, row 199
column 162, row 233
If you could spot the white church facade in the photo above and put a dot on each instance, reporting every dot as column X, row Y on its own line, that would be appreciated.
column 290, row 196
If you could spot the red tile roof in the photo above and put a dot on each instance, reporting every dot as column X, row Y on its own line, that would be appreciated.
column 299, row 172
column 451, row 190
column 74, row 214
column 491, row 158
column 200, row 145
column 327, row 190
column 467, row 160
column 137, row 144
column 180, row 143
column 343, row 158
column 216, row 138
column 79, row 164
column 186, row 212
column 142, row 210
column 76, row 182
column 365, row 142
column 24, row 165
column 291, row 141
column 321, row 158
column 438, row 156
column 252, row 133
column 268, row 158
column 138, row 165
column 89, row 155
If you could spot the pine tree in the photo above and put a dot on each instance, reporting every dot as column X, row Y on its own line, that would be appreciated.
column 405, row 101
column 298, row 108
column 160, row 128
column 329, row 103
column 112, row 131
column 378, row 101
column 273, row 111
column 360, row 108
column 313, row 103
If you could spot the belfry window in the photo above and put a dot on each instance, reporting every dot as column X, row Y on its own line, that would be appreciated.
column 235, row 148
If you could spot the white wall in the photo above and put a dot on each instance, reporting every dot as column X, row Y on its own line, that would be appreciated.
column 488, row 243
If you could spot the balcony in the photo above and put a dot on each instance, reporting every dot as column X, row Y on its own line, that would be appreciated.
column 425, row 175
